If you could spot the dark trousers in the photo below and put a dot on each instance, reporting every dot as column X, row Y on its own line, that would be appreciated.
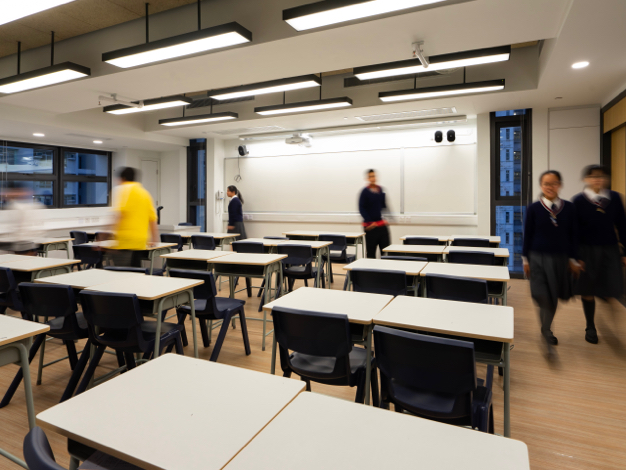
column 127, row 258
column 376, row 237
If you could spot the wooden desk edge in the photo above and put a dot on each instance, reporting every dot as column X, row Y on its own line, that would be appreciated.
column 442, row 331
column 68, row 262
column 176, row 291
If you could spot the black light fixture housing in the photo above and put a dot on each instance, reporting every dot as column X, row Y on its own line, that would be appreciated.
column 442, row 91
column 273, row 86
column 150, row 105
column 305, row 106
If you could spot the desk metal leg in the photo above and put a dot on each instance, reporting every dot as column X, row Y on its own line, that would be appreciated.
column 504, row 295
column 193, row 322
column 157, row 339
column 67, row 249
column 318, row 278
column 268, row 288
column 507, row 392
column 273, row 367
column 368, row 365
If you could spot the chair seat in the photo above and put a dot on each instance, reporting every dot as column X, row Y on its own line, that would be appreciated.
column 338, row 256
column 148, row 328
column 319, row 367
column 300, row 271
column 56, row 326
column 224, row 305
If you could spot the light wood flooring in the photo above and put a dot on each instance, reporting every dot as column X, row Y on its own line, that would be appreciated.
column 570, row 412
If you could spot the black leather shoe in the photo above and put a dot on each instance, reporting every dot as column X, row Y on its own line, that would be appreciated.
column 591, row 335
column 552, row 340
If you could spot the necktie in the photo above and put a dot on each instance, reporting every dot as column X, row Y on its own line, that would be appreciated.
column 554, row 207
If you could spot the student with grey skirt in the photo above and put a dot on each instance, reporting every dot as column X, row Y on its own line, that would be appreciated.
column 235, row 212
column 550, row 251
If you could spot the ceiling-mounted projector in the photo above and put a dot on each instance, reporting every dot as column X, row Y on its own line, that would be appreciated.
column 301, row 140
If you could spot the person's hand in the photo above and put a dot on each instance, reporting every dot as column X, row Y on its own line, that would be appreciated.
column 370, row 227
column 150, row 244
column 575, row 268
column 527, row 270
column 231, row 227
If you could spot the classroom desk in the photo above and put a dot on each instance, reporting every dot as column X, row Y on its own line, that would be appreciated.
column 430, row 251
column 501, row 254
column 360, row 308
column 29, row 268
column 155, row 294
column 221, row 239
column 353, row 238
column 198, row 260
column 89, row 278
column 54, row 244
column 174, row 413
column 154, row 250
column 255, row 265
column 16, row 338
column 410, row 268
column 465, row 319
column 320, row 432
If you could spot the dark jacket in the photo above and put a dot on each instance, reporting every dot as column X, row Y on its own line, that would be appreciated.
column 597, row 224
column 235, row 211
column 541, row 234
column 371, row 205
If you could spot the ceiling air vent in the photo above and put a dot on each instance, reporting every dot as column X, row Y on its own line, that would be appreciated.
column 408, row 115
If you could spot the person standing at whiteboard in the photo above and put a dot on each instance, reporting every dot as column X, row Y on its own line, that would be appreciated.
column 372, row 202
column 235, row 212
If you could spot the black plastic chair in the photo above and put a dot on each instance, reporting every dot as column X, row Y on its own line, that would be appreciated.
column 322, row 350
column 379, row 282
column 56, row 302
column 116, row 321
column 472, row 242
column 211, row 307
column 202, row 242
column 89, row 258
column 185, row 224
column 299, row 265
column 404, row 258
column 460, row 289
column 37, row 451
column 471, row 257
column 421, row 241
column 248, row 247
column 79, row 237
column 338, row 251
column 173, row 238
column 276, row 238
column 9, row 295
column 434, row 378
column 102, row 236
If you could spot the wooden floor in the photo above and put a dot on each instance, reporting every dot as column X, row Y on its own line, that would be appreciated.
column 571, row 412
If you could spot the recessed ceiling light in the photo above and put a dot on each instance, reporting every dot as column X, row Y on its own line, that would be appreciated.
column 274, row 86
column 316, row 15
column 580, row 65
column 439, row 91
column 199, row 119
column 43, row 77
column 12, row 11
column 304, row 106
column 97, row 141
column 149, row 105
column 38, row 134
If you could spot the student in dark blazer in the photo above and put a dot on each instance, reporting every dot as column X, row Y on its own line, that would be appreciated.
column 235, row 212
column 550, row 251
column 372, row 202
column 602, row 227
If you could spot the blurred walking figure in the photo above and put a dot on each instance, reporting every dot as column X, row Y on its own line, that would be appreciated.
column 602, row 226
column 372, row 203
column 235, row 212
column 21, row 226
column 135, row 219
column 550, row 251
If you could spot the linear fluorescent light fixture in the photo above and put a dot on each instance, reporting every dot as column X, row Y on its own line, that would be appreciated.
column 149, row 105
column 199, row 119
column 274, row 86
column 217, row 37
column 304, row 106
column 329, row 12
column 43, row 77
column 12, row 11
column 437, row 62
column 439, row 91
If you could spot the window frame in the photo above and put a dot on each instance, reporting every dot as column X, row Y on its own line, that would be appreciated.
column 63, row 178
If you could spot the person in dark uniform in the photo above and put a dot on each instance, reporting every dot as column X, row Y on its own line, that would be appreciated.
column 235, row 213
column 550, row 251
column 371, row 205
column 602, row 226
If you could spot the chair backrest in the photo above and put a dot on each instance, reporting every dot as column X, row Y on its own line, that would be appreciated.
column 460, row 289
column 52, row 301
column 275, row 238
column 404, row 258
column 202, row 242
column 79, row 237
column 248, row 247
column 475, row 242
column 186, row 224
column 8, row 290
column 172, row 238
column 471, row 257
column 37, row 451
column 421, row 241
column 423, row 362
column 87, row 255
column 102, row 236
column 206, row 291
column 314, row 334
column 379, row 282
column 297, row 255
column 339, row 242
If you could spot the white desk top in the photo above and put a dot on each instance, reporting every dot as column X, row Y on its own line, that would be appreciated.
column 217, row 236
column 111, row 244
column 137, row 418
column 480, row 321
column 89, row 278
column 411, row 268
column 423, row 249
column 491, row 238
column 148, row 287
column 441, row 238
column 49, row 241
column 265, row 241
column 497, row 252
column 14, row 329
column 270, row 242
column 255, row 259
column 317, row 233
column 320, row 432
column 196, row 255
column 9, row 258
column 358, row 306
column 473, row 271
column 35, row 263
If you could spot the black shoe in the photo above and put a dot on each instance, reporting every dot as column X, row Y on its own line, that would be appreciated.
column 591, row 335
column 552, row 340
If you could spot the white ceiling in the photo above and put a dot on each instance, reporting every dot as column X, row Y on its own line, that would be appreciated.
column 574, row 30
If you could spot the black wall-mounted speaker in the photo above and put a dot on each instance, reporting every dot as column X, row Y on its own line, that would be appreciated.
column 451, row 136
column 243, row 150
column 438, row 137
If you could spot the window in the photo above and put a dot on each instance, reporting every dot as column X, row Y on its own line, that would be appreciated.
column 507, row 237
column 55, row 176
column 196, row 183
column 508, row 175
column 508, row 154
column 508, row 221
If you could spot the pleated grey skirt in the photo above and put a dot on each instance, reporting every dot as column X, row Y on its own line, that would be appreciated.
column 550, row 277
column 603, row 275
column 240, row 229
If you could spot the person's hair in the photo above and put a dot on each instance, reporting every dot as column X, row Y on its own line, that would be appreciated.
column 127, row 173
column 588, row 170
column 551, row 172
column 233, row 189
column 370, row 171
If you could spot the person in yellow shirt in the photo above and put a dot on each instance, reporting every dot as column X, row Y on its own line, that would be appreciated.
column 135, row 220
